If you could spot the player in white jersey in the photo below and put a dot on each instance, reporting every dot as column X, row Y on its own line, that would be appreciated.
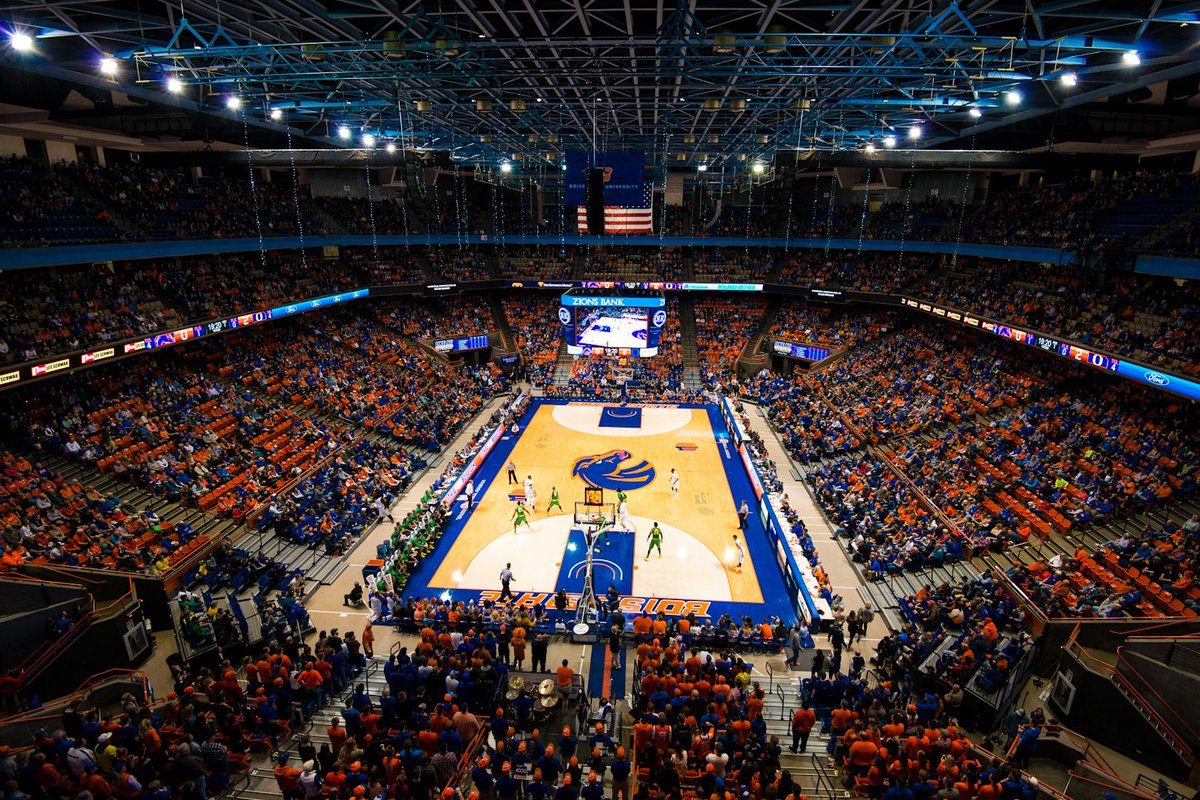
column 674, row 483
column 530, row 494
column 740, row 551
column 623, row 518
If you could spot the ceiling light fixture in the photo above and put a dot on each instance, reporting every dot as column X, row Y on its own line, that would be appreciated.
column 870, row 147
column 506, row 167
column 1131, row 58
column 914, row 132
column 889, row 141
column 391, row 147
column 343, row 132
column 1069, row 79
column 368, row 140
column 233, row 103
column 1013, row 97
column 758, row 168
column 276, row 114
column 976, row 113
column 174, row 85
column 702, row 168
column 21, row 42
column 108, row 66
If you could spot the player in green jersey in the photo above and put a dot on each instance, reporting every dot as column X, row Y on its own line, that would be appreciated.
column 656, row 537
column 519, row 516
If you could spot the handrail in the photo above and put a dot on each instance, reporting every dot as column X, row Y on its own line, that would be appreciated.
column 468, row 756
column 1128, row 788
column 1108, row 670
column 1121, row 659
column 41, row 657
column 81, row 692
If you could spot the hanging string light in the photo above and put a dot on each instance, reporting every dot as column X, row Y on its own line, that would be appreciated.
column 262, row 249
column 296, row 196
column 962, row 207
column 787, row 234
column 832, row 191
column 862, row 220
column 371, row 209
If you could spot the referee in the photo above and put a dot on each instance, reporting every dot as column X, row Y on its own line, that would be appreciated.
column 506, row 577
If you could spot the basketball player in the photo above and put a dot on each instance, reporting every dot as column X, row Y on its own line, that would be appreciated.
column 530, row 494
column 741, row 553
column 554, row 500
column 621, row 496
column 655, row 542
column 625, row 521
column 674, row 483
column 520, row 515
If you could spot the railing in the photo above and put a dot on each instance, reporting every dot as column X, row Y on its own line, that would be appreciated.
column 826, row 786
column 1122, row 660
column 1145, row 781
column 463, row 768
column 1122, row 683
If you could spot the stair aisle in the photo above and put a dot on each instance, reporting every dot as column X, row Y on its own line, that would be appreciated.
column 691, row 355
column 562, row 366
column 813, row 769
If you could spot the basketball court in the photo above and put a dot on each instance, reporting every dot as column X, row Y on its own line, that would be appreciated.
column 576, row 446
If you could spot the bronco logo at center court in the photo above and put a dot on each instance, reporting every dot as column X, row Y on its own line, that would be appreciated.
column 604, row 471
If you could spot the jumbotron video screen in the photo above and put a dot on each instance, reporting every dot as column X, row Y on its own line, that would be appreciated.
column 598, row 323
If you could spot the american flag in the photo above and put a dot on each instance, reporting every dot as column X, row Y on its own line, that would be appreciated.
column 624, row 219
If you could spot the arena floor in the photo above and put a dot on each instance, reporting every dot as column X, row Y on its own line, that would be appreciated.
column 557, row 439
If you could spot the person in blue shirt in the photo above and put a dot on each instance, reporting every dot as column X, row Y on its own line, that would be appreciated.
column 537, row 788
column 1027, row 739
column 481, row 777
column 898, row 790
column 567, row 791
column 594, row 790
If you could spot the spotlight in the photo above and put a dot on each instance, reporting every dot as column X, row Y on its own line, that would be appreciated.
column 914, row 132
column 1130, row 58
column 975, row 113
column 343, row 132
column 702, row 168
column 889, row 141
column 108, row 66
column 1069, row 79
column 368, row 140
column 870, row 147
column 174, row 85
column 758, row 168
column 391, row 147
column 21, row 42
column 506, row 167
column 276, row 114
column 233, row 103
column 1013, row 97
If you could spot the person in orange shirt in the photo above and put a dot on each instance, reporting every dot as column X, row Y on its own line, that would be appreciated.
column 518, row 645
column 337, row 734
column 803, row 719
column 841, row 719
column 287, row 777
column 368, row 640
column 563, row 677
column 862, row 756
